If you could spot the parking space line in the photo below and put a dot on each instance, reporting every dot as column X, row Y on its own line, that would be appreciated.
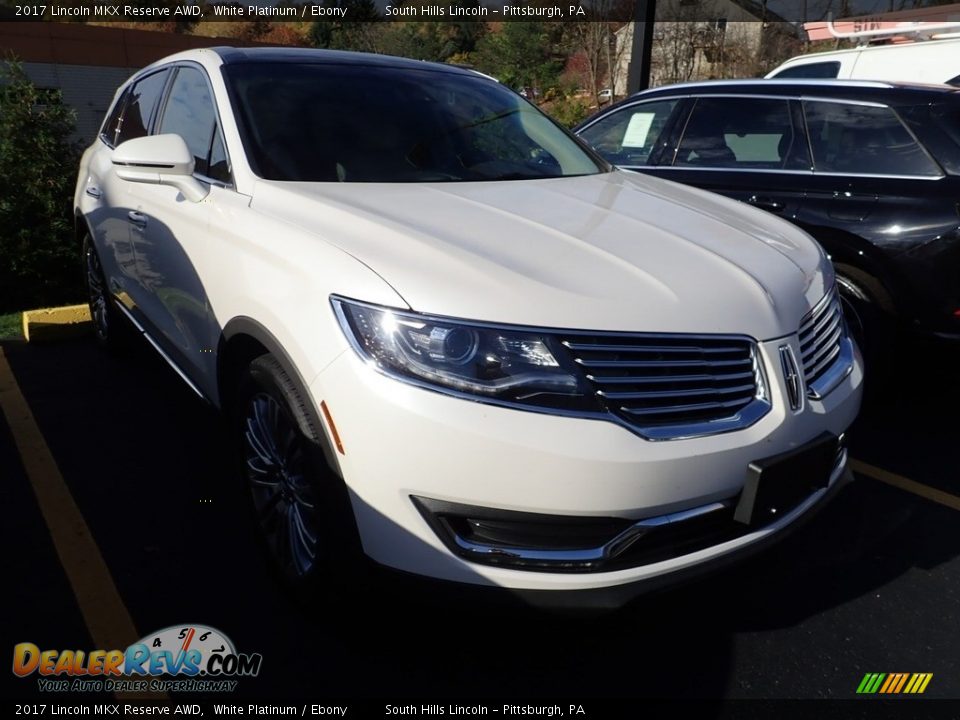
column 103, row 610
column 903, row 483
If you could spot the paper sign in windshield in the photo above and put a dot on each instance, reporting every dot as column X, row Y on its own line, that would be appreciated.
column 637, row 130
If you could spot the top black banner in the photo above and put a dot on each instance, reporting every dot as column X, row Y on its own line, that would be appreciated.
column 342, row 11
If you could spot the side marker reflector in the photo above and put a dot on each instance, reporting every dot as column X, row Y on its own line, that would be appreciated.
column 333, row 428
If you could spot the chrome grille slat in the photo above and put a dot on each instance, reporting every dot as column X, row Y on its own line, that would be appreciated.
column 826, row 361
column 661, row 394
column 682, row 408
column 661, row 363
column 670, row 386
column 817, row 329
column 597, row 347
column 820, row 336
column 830, row 323
column 811, row 317
column 821, row 348
column 660, row 379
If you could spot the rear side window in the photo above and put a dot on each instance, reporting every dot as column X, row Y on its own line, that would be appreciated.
column 812, row 71
column 141, row 103
column 743, row 134
column 948, row 118
column 862, row 139
column 628, row 136
column 190, row 113
column 111, row 126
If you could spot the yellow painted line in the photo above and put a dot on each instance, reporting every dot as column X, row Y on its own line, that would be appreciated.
column 910, row 486
column 926, row 681
column 104, row 613
column 55, row 323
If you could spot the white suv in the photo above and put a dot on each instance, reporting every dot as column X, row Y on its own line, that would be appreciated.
column 444, row 328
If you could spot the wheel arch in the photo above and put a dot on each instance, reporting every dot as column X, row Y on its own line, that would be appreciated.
column 862, row 263
column 81, row 226
column 242, row 340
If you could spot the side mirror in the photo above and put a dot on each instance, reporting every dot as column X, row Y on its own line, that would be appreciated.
column 159, row 160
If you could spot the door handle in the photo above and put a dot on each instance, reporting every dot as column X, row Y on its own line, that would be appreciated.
column 137, row 218
column 93, row 192
column 766, row 203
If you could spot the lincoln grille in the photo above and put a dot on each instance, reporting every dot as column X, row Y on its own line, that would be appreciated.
column 670, row 386
column 821, row 332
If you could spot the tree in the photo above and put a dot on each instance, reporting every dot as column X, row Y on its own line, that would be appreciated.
column 595, row 44
column 359, row 33
column 38, row 168
column 523, row 54
column 437, row 41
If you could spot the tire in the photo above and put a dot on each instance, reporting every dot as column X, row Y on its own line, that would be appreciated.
column 108, row 326
column 300, row 506
column 871, row 328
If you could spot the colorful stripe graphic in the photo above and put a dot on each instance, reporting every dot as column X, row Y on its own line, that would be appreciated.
column 894, row 683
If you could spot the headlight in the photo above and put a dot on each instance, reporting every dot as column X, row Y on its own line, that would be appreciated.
column 496, row 363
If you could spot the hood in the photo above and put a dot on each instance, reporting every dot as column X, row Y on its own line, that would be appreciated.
column 614, row 251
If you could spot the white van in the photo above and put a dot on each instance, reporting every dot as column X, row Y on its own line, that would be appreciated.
column 927, row 61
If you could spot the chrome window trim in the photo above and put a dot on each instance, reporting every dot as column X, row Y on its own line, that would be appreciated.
column 761, row 82
column 840, row 101
column 788, row 172
column 801, row 99
column 770, row 96
column 639, row 101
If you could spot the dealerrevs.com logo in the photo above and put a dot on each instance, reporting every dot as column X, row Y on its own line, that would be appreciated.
column 201, row 658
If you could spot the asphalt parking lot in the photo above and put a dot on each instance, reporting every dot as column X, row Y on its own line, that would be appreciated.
column 870, row 585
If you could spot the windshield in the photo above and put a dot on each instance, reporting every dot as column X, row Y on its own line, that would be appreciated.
column 352, row 123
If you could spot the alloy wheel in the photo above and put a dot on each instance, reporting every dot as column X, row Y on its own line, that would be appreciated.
column 97, row 293
column 283, row 497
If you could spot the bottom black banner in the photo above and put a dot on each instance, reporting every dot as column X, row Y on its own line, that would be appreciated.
column 615, row 709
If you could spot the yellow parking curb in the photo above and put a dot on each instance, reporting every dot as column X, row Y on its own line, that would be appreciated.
column 56, row 323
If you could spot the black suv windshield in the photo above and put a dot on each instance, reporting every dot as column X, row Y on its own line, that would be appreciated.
column 343, row 123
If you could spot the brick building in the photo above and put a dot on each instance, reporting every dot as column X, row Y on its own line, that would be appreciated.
column 88, row 62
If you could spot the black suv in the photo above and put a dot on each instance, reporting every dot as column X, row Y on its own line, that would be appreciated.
column 869, row 169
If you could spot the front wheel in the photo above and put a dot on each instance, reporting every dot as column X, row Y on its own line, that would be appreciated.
column 106, row 325
column 300, row 505
column 870, row 327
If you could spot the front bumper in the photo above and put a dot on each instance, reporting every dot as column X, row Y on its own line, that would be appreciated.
column 402, row 442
